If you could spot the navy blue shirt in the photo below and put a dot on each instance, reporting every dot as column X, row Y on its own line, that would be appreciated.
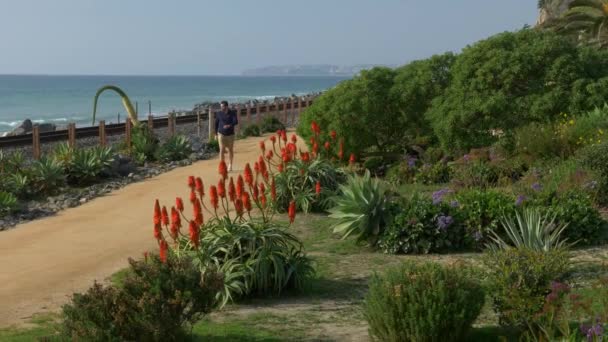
column 222, row 119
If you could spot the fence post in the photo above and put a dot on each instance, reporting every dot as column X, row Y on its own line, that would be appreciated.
column 285, row 112
column 248, row 114
column 171, row 124
column 211, row 119
column 238, row 118
column 292, row 106
column 150, row 122
column 199, row 123
column 128, row 134
column 72, row 134
column 36, row 142
column 102, row 132
column 299, row 106
column 258, row 113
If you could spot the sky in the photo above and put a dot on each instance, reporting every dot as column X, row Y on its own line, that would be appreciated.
column 226, row 37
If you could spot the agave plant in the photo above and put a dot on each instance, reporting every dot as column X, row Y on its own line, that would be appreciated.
column 176, row 148
column 47, row 175
column 532, row 230
column 126, row 102
column 361, row 208
column 8, row 202
column 86, row 166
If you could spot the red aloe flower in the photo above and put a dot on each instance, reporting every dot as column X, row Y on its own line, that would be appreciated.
column 179, row 204
column 280, row 168
column 238, row 206
column 223, row 169
column 213, row 197
column 164, row 217
column 263, row 200
column 194, row 233
column 192, row 196
column 273, row 191
column 312, row 140
column 292, row 211
column 262, row 146
column 294, row 139
column 305, row 156
column 157, row 213
column 164, row 248
column 315, row 148
column 175, row 218
column 262, row 188
column 273, row 139
column 327, row 146
column 314, row 127
column 256, row 168
column 191, row 182
column 231, row 190
column 198, row 212
column 240, row 186
column 284, row 136
column 352, row 160
column 333, row 134
column 341, row 152
column 246, row 201
column 248, row 175
column 266, row 175
column 221, row 188
column 255, row 192
column 200, row 188
column 157, row 231
column 318, row 188
column 286, row 158
column 269, row 155
column 262, row 164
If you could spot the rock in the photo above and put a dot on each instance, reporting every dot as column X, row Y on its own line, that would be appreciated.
column 131, row 175
column 83, row 200
column 46, row 127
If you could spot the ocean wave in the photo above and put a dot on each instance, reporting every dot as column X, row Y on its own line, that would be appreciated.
column 16, row 123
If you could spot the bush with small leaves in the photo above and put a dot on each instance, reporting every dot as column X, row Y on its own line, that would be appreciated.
column 423, row 302
column 271, row 124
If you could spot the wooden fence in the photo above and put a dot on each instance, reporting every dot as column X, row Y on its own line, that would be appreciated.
column 279, row 109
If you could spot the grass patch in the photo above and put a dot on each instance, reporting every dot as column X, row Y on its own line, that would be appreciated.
column 41, row 325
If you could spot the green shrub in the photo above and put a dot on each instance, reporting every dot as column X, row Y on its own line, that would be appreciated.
column 402, row 172
column 480, row 212
column 540, row 141
column 255, row 258
column 213, row 146
column 595, row 157
column 437, row 173
column 251, row 130
column 575, row 208
column 20, row 184
column 423, row 302
column 158, row 302
column 8, row 202
column 271, row 124
column 11, row 163
column 176, row 148
column 86, row 166
column 422, row 227
column 47, row 175
column 475, row 174
column 362, row 208
column 298, row 182
column 144, row 143
column 519, row 280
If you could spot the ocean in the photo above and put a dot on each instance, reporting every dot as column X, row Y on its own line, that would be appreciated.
column 64, row 99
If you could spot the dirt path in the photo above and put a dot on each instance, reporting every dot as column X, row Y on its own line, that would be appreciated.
column 45, row 261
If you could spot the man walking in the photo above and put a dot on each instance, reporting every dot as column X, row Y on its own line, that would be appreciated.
column 225, row 120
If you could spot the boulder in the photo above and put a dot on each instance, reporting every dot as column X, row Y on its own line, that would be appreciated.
column 46, row 127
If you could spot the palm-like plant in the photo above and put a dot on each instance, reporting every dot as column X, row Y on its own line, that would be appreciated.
column 361, row 208
column 126, row 102
column 8, row 202
column 532, row 230
column 588, row 19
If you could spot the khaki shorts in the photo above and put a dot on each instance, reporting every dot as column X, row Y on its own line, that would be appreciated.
column 225, row 141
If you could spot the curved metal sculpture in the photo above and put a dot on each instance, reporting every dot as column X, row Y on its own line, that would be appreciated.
column 125, row 101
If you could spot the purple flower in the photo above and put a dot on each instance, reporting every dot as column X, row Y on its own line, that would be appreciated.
column 443, row 222
column 596, row 330
column 438, row 195
column 454, row 204
column 520, row 199
column 536, row 186
column 466, row 157
column 411, row 162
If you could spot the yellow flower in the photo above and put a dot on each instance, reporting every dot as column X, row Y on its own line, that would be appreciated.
column 571, row 122
column 600, row 131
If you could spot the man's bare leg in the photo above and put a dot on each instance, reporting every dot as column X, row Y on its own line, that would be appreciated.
column 230, row 156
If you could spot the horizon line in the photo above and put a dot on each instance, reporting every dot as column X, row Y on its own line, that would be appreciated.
column 171, row 75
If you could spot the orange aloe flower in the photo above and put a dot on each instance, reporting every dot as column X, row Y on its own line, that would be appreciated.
column 284, row 136
column 198, row 212
column 191, row 182
column 213, row 197
column 157, row 213
column 273, row 139
column 194, row 233
column 221, row 188
column 256, row 168
column 294, row 139
column 273, row 191
column 179, row 204
column 248, row 175
column 263, row 200
column 333, row 134
column 318, row 188
column 269, row 155
column 164, row 217
column 262, row 165
column 158, row 235
column 262, row 187
column 255, row 192
column 164, row 248
column 315, row 148
column 240, row 186
column 192, row 196
column 223, row 169
column 231, row 190
column 246, row 201
column 238, row 206
column 262, row 146
column 199, row 186
column 280, row 168
column 292, row 211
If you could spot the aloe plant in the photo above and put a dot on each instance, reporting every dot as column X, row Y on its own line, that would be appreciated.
column 361, row 208
column 125, row 101
column 532, row 230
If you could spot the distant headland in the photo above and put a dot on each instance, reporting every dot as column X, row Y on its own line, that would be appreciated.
column 309, row 70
